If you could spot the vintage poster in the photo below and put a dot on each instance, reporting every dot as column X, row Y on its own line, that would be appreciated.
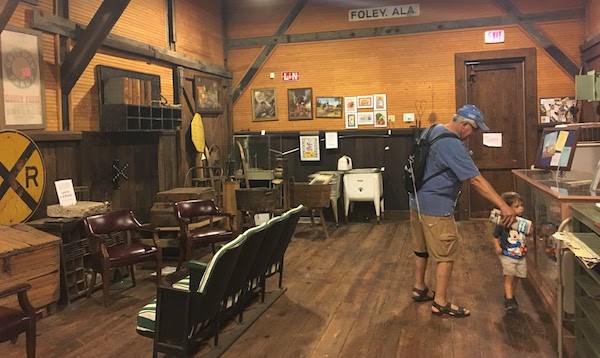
column 22, row 83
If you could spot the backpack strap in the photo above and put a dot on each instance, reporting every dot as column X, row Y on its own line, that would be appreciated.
column 441, row 136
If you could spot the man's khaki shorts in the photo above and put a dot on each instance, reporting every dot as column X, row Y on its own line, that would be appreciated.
column 513, row 267
column 436, row 235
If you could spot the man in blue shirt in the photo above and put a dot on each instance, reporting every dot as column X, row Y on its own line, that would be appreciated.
column 432, row 207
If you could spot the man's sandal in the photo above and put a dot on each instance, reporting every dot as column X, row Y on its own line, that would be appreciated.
column 447, row 309
column 422, row 295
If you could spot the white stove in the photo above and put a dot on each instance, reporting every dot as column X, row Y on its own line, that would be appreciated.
column 364, row 185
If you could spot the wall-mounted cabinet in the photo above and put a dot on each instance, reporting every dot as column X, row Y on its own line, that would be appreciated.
column 130, row 117
column 131, row 101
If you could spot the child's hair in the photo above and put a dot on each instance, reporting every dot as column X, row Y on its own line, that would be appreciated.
column 510, row 197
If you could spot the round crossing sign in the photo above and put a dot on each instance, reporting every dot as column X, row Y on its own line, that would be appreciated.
column 22, row 177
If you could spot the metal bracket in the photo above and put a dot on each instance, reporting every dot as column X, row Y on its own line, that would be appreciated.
column 118, row 173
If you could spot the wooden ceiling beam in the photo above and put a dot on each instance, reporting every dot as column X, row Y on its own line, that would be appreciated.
column 8, row 8
column 90, row 41
column 539, row 37
column 507, row 20
column 266, row 51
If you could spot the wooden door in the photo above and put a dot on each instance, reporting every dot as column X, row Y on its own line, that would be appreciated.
column 497, row 86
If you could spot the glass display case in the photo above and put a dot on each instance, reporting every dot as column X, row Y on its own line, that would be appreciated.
column 546, row 198
column 260, row 152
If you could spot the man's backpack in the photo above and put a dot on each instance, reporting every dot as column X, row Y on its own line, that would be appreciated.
column 414, row 170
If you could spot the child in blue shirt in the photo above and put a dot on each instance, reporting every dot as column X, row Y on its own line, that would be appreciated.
column 509, row 243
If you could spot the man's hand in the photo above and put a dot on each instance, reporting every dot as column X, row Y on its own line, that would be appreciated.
column 508, row 216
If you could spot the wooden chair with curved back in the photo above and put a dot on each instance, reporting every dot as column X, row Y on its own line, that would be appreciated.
column 104, row 257
column 13, row 322
column 190, row 212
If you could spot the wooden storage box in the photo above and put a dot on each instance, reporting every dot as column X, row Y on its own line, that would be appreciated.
column 33, row 256
column 311, row 196
column 180, row 194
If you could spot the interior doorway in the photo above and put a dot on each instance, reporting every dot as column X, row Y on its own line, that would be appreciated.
column 503, row 85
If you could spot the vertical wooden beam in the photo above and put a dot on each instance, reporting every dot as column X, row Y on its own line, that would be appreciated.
column 94, row 34
column 8, row 8
column 266, row 51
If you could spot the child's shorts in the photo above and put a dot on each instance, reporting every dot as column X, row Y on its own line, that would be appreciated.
column 514, row 267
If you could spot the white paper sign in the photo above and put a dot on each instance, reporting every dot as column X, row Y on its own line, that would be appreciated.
column 331, row 140
column 65, row 192
column 493, row 140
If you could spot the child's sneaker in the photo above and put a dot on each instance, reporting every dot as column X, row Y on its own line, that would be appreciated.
column 510, row 305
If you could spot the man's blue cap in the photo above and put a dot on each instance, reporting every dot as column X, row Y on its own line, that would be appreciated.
column 469, row 111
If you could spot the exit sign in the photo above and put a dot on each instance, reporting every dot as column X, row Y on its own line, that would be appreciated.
column 494, row 36
column 290, row 76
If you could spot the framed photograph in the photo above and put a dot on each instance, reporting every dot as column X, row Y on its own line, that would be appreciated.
column 208, row 95
column 379, row 102
column 309, row 148
column 350, row 104
column 329, row 107
column 364, row 102
column 555, row 110
column 299, row 103
column 24, row 104
column 264, row 105
column 351, row 121
column 365, row 118
column 380, row 119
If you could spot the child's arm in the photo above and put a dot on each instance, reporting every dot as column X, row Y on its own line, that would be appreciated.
column 497, row 247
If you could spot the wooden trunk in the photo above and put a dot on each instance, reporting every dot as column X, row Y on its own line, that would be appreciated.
column 32, row 256
column 162, row 213
column 256, row 200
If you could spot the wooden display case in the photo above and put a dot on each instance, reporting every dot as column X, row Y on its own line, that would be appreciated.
column 586, row 223
column 547, row 201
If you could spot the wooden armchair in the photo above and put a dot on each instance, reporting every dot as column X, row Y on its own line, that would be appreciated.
column 195, row 232
column 14, row 322
column 100, row 229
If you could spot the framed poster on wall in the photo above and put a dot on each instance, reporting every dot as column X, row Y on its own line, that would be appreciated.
column 207, row 92
column 24, row 105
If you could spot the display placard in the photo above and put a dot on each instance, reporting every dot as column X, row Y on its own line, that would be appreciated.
column 557, row 148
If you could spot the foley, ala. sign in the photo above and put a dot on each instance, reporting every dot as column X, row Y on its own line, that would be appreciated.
column 383, row 12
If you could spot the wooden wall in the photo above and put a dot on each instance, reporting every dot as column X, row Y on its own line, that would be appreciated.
column 199, row 29
column 593, row 17
column 408, row 68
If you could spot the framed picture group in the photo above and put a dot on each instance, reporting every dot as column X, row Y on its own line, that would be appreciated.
column 363, row 110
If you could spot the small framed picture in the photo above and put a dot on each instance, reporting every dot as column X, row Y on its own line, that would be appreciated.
column 309, row 148
column 379, row 102
column 380, row 119
column 299, row 103
column 207, row 92
column 351, row 122
column 350, row 104
column 364, row 102
column 328, row 107
column 264, row 104
column 365, row 118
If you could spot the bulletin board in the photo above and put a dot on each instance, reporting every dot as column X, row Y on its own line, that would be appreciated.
column 557, row 148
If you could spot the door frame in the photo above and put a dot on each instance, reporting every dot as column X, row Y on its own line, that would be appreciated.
column 528, row 57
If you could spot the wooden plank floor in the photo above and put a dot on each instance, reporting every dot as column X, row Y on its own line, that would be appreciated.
column 348, row 296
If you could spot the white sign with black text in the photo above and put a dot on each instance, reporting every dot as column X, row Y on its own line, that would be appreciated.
column 65, row 192
column 383, row 12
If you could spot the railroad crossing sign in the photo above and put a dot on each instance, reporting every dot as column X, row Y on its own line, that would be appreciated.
column 22, row 177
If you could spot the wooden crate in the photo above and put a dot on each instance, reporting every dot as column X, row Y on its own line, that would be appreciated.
column 30, row 255
column 179, row 194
